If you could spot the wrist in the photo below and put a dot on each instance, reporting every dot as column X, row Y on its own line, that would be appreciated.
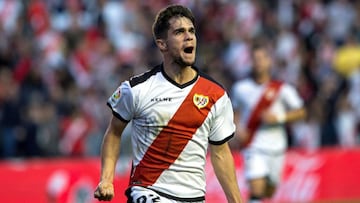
column 106, row 178
column 281, row 117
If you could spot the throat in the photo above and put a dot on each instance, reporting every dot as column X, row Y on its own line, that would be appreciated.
column 261, row 79
column 184, row 78
column 181, row 76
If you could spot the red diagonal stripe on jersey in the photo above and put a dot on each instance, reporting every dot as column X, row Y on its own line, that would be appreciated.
column 264, row 102
column 171, row 141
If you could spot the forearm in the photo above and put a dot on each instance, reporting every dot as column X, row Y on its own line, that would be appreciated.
column 224, row 168
column 110, row 149
column 109, row 156
column 295, row 115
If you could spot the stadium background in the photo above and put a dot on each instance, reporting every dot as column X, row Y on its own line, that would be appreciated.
column 61, row 60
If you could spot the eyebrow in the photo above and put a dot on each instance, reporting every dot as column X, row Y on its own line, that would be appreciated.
column 182, row 29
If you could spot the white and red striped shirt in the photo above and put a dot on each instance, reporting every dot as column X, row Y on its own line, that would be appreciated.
column 172, row 126
column 246, row 95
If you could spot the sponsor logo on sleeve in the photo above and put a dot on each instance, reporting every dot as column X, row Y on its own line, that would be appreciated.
column 116, row 95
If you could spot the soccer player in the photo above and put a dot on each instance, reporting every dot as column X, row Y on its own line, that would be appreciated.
column 262, row 106
column 177, row 113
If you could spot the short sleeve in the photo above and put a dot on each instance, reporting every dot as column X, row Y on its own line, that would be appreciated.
column 291, row 97
column 223, row 126
column 121, row 102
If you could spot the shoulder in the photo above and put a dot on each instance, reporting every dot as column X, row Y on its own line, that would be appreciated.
column 210, row 80
column 289, row 91
column 286, row 86
column 244, row 84
column 141, row 78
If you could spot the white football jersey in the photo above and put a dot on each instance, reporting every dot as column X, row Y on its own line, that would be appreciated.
column 246, row 95
column 172, row 125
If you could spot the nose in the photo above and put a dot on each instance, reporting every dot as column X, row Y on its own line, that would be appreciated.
column 189, row 36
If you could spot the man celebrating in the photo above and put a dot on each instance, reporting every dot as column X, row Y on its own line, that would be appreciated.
column 177, row 112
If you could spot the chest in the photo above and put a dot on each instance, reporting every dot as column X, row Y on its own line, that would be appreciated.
column 253, row 95
column 174, row 107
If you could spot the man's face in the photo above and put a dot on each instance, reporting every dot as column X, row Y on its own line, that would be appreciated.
column 261, row 61
column 181, row 41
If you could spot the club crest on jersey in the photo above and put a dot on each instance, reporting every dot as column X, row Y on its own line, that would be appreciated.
column 200, row 100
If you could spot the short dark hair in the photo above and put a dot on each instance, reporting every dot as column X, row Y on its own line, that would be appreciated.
column 162, row 25
column 259, row 44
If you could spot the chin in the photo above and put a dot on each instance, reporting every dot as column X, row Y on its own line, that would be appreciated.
column 189, row 62
column 185, row 63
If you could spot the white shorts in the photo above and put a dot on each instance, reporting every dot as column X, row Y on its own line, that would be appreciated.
column 137, row 194
column 260, row 164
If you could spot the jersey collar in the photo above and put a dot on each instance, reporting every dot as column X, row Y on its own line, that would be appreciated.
column 180, row 85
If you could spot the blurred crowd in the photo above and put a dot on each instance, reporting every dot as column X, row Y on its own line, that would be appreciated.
column 61, row 59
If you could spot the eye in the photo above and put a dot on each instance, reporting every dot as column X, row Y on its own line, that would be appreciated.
column 179, row 31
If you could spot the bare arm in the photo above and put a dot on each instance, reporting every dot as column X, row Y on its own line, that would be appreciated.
column 223, row 164
column 295, row 115
column 109, row 155
column 288, row 117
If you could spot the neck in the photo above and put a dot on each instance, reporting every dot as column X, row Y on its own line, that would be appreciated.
column 261, row 78
column 179, row 74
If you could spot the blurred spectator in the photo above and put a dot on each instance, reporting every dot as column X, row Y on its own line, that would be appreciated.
column 10, row 113
column 341, row 16
column 354, row 94
column 329, row 94
column 58, row 56
column 288, row 55
column 307, row 132
column 9, row 14
column 122, row 29
column 346, row 122
column 285, row 13
column 238, row 58
column 325, row 54
column 74, row 129
column 27, row 144
column 48, row 132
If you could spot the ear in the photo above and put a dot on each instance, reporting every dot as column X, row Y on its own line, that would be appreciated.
column 161, row 44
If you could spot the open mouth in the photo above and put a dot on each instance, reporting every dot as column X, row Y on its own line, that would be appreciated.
column 188, row 50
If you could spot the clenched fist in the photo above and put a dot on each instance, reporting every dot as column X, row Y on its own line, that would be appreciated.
column 104, row 191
